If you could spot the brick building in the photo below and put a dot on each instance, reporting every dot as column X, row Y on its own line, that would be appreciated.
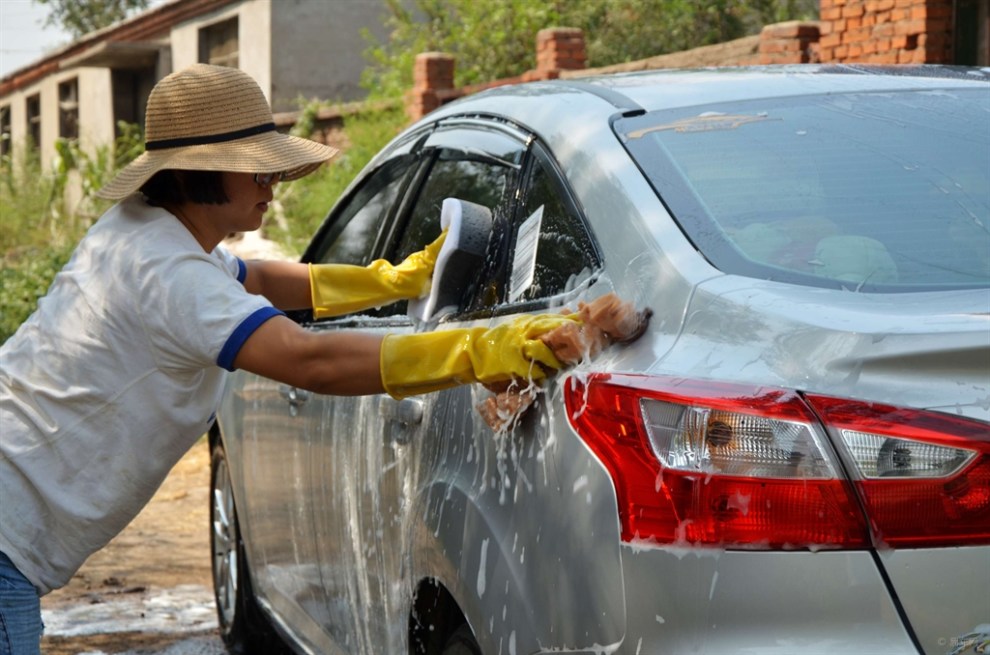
column 905, row 31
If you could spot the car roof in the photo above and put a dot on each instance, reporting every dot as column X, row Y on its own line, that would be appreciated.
column 675, row 88
column 670, row 89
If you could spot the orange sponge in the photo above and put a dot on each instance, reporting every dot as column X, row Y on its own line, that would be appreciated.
column 604, row 321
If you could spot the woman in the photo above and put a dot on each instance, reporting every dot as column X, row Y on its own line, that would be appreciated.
column 121, row 367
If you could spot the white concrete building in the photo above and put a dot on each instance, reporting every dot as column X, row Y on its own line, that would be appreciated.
column 293, row 48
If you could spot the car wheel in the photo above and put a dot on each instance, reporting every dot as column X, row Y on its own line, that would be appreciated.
column 462, row 642
column 243, row 626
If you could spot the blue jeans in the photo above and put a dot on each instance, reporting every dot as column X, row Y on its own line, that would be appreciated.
column 20, row 612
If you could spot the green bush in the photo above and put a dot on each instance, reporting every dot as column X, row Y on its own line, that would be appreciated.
column 39, row 227
column 23, row 279
column 31, row 205
column 493, row 39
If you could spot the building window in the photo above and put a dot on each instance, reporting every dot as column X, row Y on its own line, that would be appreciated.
column 5, row 131
column 68, row 109
column 33, row 104
column 218, row 44
column 131, row 89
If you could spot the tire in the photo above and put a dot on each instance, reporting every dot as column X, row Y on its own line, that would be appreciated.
column 462, row 642
column 244, row 627
column 437, row 625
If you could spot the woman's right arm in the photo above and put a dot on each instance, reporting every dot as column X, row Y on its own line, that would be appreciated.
column 342, row 363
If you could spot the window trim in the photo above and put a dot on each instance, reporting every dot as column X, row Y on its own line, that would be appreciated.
column 6, row 130
column 32, row 119
column 424, row 147
column 538, row 153
column 454, row 134
column 68, row 108
column 207, row 38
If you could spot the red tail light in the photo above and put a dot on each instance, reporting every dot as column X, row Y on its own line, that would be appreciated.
column 924, row 477
column 702, row 463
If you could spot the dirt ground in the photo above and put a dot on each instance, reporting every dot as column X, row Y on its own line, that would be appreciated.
column 165, row 547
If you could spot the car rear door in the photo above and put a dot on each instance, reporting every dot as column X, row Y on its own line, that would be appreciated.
column 509, row 516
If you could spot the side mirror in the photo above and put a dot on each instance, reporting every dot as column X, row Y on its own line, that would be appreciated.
column 461, row 258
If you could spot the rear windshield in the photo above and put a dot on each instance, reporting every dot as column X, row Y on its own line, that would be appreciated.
column 879, row 192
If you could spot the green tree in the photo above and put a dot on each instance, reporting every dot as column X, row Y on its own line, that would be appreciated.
column 617, row 31
column 79, row 17
column 492, row 39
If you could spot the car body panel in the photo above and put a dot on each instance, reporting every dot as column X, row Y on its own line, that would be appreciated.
column 520, row 526
column 273, row 489
column 930, row 584
column 747, row 602
column 802, row 340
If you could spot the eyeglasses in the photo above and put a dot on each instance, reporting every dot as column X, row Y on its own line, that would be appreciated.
column 267, row 179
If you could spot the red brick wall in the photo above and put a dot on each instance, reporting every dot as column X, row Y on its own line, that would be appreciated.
column 788, row 43
column 861, row 31
column 886, row 31
column 560, row 48
column 433, row 74
column 557, row 49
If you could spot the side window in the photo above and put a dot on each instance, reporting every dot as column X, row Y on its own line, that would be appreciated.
column 454, row 174
column 553, row 248
column 350, row 239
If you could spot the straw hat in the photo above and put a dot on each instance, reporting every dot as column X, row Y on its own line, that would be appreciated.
column 214, row 118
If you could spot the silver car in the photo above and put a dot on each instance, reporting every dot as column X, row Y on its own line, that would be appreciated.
column 795, row 457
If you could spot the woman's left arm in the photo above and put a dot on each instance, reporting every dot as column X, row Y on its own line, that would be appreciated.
column 337, row 289
column 285, row 284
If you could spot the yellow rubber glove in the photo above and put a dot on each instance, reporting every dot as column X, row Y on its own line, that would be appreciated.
column 419, row 363
column 341, row 288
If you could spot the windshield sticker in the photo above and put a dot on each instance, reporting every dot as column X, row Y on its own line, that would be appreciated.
column 524, row 262
column 707, row 122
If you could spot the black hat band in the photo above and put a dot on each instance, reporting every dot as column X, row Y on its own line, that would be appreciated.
column 209, row 138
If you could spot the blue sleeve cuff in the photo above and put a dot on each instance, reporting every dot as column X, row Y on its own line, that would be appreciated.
column 241, row 333
column 241, row 270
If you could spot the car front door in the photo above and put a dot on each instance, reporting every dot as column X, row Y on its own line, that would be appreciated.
column 368, row 453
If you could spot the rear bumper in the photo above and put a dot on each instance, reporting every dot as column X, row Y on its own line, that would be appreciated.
column 731, row 602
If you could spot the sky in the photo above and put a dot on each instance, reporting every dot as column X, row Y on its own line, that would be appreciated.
column 22, row 37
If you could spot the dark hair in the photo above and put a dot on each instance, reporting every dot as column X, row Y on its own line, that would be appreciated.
column 176, row 187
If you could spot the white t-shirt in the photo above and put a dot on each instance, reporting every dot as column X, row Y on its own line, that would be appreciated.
column 110, row 381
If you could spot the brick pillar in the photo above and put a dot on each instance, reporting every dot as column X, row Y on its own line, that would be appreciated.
column 792, row 42
column 886, row 31
column 433, row 73
column 557, row 49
